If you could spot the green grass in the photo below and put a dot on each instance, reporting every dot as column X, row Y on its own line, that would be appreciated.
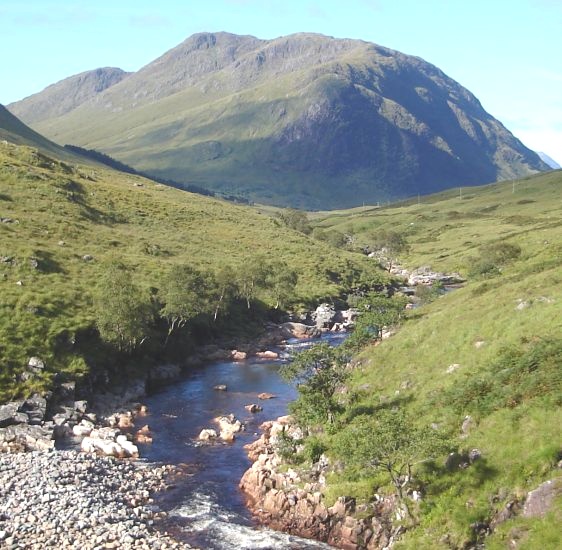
column 505, row 332
column 61, row 213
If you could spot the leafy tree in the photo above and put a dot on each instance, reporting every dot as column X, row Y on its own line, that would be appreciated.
column 390, row 442
column 376, row 311
column 252, row 277
column 390, row 244
column 295, row 219
column 333, row 237
column 123, row 313
column 185, row 294
column 318, row 372
column 225, row 288
column 281, row 280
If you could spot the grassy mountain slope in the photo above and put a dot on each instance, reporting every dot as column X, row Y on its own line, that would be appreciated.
column 305, row 120
column 63, row 224
column 503, row 332
column 15, row 131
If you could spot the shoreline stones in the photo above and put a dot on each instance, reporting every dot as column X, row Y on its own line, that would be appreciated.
column 73, row 500
column 292, row 501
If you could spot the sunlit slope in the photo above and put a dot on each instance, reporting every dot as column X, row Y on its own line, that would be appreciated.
column 487, row 356
column 62, row 224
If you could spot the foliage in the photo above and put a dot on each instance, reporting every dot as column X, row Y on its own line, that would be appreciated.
column 252, row 277
column 389, row 243
column 295, row 219
column 519, row 374
column 493, row 256
column 226, row 289
column 318, row 373
column 375, row 312
column 123, row 315
column 281, row 280
column 287, row 447
column 389, row 441
column 428, row 293
column 185, row 293
column 335, row 238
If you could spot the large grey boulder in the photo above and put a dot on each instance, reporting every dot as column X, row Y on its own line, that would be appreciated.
column 8, row 414
column 324, row 316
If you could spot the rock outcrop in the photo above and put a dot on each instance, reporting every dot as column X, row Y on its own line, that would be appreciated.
column 293, row 502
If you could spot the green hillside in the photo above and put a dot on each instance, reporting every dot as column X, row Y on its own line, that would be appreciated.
column 491, row 350
column 15, row 131
column 64, row 225
column 304, row 120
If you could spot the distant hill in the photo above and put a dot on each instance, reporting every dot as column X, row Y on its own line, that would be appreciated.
column 66, row 95
column 303, row 120
column 548, row 160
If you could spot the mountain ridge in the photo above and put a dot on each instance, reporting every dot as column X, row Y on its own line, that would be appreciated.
column 302, row 120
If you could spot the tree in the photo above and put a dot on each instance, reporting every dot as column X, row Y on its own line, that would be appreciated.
column 225, row 288
column 390, row 244
column 295, row 219
column 185, row 294
column 281, row 281
column 376, row 311
column 390, row 442
column 318, row 373
column 251, row 277
column 123, row 312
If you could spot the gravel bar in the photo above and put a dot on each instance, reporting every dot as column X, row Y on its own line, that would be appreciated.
column 68, row 499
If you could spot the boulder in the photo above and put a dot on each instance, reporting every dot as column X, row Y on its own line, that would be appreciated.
column 8, row 414
column 267, row 354
column 301, row 331
column 228, row 426
column 35, row 407
column 237, row 355
column 36, row 363
column 265, row 395
column 83, row 429
column 324, row 316
column 143, row 435
column 539, row 501
column 207, row 434
column 253, row 408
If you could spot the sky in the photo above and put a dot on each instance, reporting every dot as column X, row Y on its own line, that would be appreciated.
column 506, row 52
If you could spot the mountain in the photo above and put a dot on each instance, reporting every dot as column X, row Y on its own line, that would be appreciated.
column 303, row 120
column 548, row 160
column 66, row 95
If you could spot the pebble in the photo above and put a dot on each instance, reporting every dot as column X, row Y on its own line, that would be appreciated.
column 89, row 502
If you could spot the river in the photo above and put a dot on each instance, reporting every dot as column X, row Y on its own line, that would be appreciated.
column 206, row 508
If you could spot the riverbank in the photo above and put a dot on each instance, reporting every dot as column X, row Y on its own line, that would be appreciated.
column 68, row 499
column 292, row 501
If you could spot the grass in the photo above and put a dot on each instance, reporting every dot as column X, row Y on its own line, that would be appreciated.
column 64, row 223
column 502, row 329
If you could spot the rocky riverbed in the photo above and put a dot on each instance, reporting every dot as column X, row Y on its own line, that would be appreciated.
column 68, row 499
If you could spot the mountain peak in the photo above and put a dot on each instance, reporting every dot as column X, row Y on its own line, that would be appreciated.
column 66, row 95
column 306, row 120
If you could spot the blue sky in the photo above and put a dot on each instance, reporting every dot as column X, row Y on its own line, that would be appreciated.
column 507, row 52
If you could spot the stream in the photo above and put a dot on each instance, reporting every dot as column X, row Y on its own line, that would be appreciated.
column 206, row 509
